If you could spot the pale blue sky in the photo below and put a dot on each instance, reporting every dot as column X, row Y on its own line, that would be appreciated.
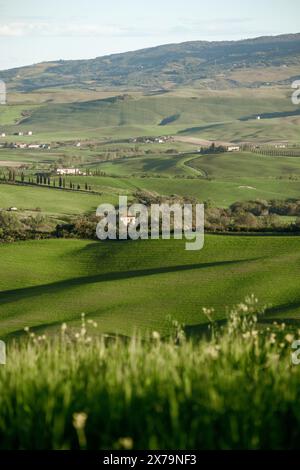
column 33, row 30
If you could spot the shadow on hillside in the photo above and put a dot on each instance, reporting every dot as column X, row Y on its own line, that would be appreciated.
column 190, row 130
column 202, row 330
column 27, row 292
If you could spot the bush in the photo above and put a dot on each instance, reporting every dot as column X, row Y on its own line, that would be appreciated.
column 10, row 226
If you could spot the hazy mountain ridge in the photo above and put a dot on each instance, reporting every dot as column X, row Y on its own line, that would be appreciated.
column 164, row 66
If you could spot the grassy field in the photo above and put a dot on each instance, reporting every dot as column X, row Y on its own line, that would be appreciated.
column 136, row 285
column 223, row 115
column 217, row 166
column 221, row 192
column 239, row 164
column 80, row 392
column 227, row 177
column 154, row 164
column 51, row 201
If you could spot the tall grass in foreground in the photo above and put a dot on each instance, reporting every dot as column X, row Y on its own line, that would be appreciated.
column 237, row 390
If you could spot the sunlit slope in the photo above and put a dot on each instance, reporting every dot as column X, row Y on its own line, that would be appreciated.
column 242, row 164
column 51, row 201
column 227, row 115
column 133, row 285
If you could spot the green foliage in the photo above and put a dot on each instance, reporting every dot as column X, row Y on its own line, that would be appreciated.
column 237, row 390
column 10, row 227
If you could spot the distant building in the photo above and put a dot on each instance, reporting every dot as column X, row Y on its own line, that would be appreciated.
column 233, row 148
column 280, row 146
column 70, row 171
column 128, row 220
column 258, row 118
column 13, row 209
column 3, row 134
column 33, row 146
column 29, row 133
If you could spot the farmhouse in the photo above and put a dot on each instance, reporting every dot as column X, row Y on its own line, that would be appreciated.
column 20, row 146
column 128, row 220
column 69, row 171
column 233, row 148
column 33, row 146
column 280, row 146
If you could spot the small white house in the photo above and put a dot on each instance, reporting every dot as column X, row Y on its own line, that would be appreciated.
column 280, row 146
column 128, row 220
column 33, row 146
column 20, row 133
column 69, row 171
column 3, row 134
column 234, row 148
column 13, row 209
column 29, row 133
column 258, row 118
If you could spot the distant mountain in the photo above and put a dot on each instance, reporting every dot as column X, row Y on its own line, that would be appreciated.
column 165, row 66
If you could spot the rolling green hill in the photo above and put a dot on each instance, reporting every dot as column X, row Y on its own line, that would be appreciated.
column 207, row 91
column 131, row 285
column 213, row 115
column 51, row 201
column 240, row 164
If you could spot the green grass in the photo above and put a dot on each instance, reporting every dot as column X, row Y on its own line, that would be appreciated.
column 237, row 391
column 51, row 201
column 265, row 130
column 10, row 114
column 169, row 165
column 231, row 176
column 222, row 192
column 204, row 113
column 129, row 285
column 241, row 164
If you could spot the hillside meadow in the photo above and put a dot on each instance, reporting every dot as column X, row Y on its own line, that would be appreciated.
column 223, row 179
column 228, row 115
column 53, row 202
column 128, row 286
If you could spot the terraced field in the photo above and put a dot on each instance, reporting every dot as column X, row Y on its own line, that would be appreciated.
column 136, row 285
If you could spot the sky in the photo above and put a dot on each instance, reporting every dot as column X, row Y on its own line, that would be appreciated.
column 33, row 31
